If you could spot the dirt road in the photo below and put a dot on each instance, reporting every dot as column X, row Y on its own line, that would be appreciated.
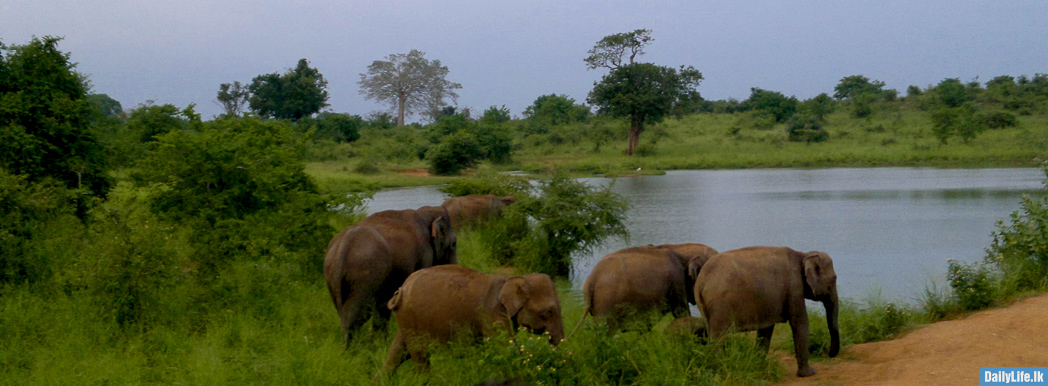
column 944, row 353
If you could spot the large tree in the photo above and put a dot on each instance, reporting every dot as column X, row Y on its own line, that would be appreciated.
column 45, row 118
column 409, row 82
column 644, row 93
column 300, row 92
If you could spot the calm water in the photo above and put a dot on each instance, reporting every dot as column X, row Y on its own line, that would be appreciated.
column 887, row 229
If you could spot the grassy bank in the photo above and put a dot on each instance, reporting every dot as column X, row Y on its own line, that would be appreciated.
column 892, row 136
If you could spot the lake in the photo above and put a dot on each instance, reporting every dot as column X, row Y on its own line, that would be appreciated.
column 888, row 230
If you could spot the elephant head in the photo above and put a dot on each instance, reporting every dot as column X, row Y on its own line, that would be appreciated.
column 692, row 256
column 820, row 284
column 531, row 302
column 442, row 237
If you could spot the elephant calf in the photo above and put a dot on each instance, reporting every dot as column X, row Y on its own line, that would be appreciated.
column 640, row 279
column 438, row 303
column 753, row 288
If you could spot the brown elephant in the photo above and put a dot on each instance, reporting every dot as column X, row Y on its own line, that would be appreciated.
column 436, row 304
column 470, row 209
column 640, row 279
column 753, row 288
column 366, row 262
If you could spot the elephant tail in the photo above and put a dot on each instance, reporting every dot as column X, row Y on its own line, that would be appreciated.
column 394, row 302
column 588, row 301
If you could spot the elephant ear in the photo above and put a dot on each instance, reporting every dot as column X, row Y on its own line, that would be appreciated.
column 815, row 273
column 506, row 200
column 443, row 238
column 695, row 265
column 513, row 295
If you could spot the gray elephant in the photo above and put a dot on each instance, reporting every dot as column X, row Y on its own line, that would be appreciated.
column 366, row 262
column 640, row 279
column 753, row 288
column 470, row 209
column 438, row 303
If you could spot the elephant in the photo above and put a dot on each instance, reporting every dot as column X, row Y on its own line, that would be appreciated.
column 468, row 210
column 753, row 288
column 439, row 303
column 639, row 279
column 366, row 262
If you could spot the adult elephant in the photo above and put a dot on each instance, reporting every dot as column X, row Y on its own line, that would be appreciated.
column 640, row 279
column 753, row 288
column 468, row 210
column 366, row 262
column 436, row 304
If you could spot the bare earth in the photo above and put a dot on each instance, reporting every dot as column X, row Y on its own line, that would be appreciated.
column 944, row 353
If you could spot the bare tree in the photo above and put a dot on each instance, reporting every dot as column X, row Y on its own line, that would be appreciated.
column 409, row 82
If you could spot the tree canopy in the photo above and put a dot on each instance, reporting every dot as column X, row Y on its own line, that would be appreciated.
column 300, row 92
column 409, row 82
column 643, row 93
column 856, row 85
column 45, row 118
column 609, row 51
column 233, row 97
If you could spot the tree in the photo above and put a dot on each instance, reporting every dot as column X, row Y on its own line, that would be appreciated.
column 856, row 85
column 609, row 51
column 233, row 98
column 45, row 118
column 410, row 82
column 643, row 93
column 550, row 110
column 298, row 93
column 772, row 102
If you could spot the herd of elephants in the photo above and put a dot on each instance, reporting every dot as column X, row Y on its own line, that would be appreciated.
column 405, row 261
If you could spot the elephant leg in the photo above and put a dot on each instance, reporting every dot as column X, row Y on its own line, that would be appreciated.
column 800, row 345
column 354, row 313
column 764, row 338
column 397, row 354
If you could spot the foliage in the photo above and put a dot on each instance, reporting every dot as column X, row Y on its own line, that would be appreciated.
column 973, row 284
column 772, row 102
column 148, row 121
column 856, row 85
column 334, row 126
column 553, row 220
column 240, row 187
column 643, row 93
column 961, row 120
column 455, row 152
column 806, row 128
column 552, row 110
column 299, row 92
column 31, row 213
column 999, row 120
column 104, row 105
column 45, row 118
column 609, row 50
column 1020, row 246
column 409, row 82
column 820, row 106
column 495, row 115
column 951, row 93
column 233, row 97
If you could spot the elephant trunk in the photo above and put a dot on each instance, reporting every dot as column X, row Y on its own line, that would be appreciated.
column 831, row 305
column 556, row 334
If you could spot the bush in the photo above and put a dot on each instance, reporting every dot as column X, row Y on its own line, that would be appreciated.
column 31, row 215
column 240, row 186
column 973, row 284
column 999, row 119
column 552, row 221
column 806, row 128
column 1019, row 247
column 454, row 153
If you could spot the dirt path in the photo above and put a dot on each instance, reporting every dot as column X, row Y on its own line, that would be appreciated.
column 944, row 353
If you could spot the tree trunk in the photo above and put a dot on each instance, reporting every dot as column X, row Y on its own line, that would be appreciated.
column 400, row 111
column 636, row 126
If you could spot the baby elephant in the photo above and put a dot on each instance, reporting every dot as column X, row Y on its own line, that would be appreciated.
column 435, row 304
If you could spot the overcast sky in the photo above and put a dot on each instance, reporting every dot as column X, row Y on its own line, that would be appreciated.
column 509, row 53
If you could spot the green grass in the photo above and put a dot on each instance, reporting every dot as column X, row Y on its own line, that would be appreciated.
column 894, row 135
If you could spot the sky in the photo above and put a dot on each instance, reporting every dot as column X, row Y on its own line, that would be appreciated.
column 510, row 53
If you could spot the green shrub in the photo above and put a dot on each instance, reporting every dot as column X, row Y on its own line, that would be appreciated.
column 1020, row 246
column 454, row 153
column 806, row 128
column 31, row 214
column 973, row 284
column 999, row 119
